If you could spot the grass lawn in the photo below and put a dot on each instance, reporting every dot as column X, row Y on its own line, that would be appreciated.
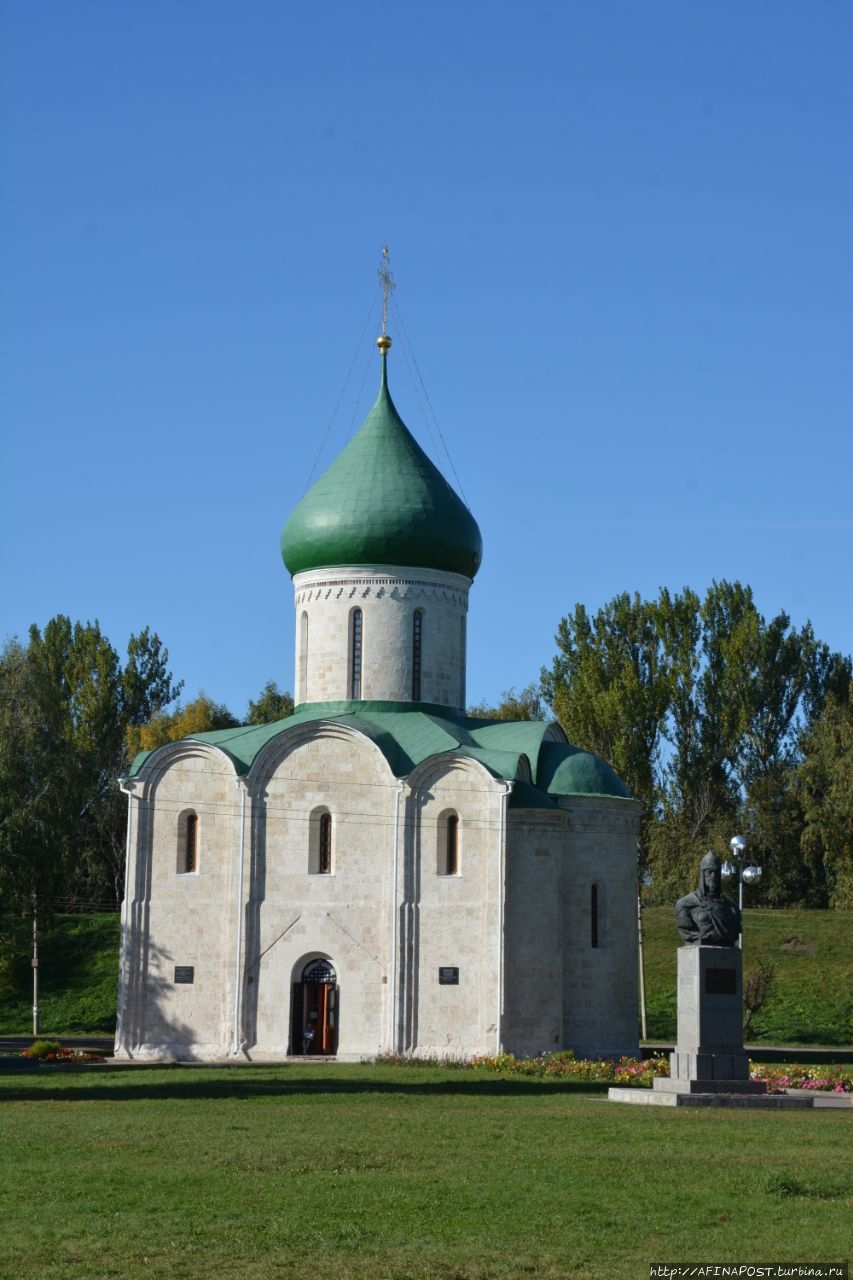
column 386, row 1173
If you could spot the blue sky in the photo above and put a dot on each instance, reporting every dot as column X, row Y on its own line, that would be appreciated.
column 621, row 236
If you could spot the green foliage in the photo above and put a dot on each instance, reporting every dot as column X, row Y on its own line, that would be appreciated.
column 606, row 688
column 202, row 715
column 362, row 1172
column 66, row 702
column 271, row 705
column 43, row 1048
column 826, row 782
column 15, row 956
column 526, row 705
column 701, row 705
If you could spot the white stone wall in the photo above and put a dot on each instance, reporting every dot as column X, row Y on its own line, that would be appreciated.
column 535, row 929
column 182, row 919
column 388, row 597
column 563, row 992
column 295, row 915
column 600, row 984
column 452, row 921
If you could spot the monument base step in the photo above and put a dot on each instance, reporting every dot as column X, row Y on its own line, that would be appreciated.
column 666, row 1084
column 823, row 1099
column 661, row 1098
column 712, row 1063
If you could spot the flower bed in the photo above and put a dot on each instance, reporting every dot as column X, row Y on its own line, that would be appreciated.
column 565, row 1066
column 642, row 1071
column 52, row 1051
column 822, row 1079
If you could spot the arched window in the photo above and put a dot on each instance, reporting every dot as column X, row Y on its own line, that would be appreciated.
column 325, row 860
column 593, row 916
column 187, row 843
column 355, row 654
column 447, row 862
column 320, row 855
column 303, row 658
column 318, row 971
column 417, row 640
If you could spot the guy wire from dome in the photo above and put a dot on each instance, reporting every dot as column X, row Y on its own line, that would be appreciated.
column 384, row 343
column 341, row 394
column 421, row 392
column 387, row 286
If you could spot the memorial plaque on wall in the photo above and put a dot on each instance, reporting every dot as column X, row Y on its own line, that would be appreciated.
column 448, row 976
column 720, row 982
column 184, row 973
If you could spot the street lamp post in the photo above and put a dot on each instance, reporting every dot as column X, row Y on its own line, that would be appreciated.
column 747, row 875
column 35, row 963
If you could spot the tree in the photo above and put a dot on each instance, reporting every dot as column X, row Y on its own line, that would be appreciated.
column 202, row 715
column 65, row 705
column 826, row 781
column 21, row 785
column 699, row 704
column 271, row 705
column 606, row 688
column 526, row 705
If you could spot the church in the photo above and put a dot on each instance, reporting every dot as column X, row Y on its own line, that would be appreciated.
column 379, row 873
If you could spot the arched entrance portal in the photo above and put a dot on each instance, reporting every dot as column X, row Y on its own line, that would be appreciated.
column 314, row 1022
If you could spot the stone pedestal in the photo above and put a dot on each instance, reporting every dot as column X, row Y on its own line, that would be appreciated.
column 708, row 1066
column 709, row 1056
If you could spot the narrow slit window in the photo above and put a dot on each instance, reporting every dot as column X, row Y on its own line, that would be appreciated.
column 303, row 658
column 451, row 861
column 593, row 915
column 190, row 860
column 355, row 655
column 324, row 863
column 417, row 641
column 463, row 660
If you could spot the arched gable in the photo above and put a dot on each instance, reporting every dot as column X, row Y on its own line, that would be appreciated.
column 350, row 738
column 454, row 769
column 183, row 788
column 185, row 756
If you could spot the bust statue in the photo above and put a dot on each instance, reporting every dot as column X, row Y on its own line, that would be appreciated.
column 705, row 917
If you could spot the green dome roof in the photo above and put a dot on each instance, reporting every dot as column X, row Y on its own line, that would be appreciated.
column 382, row 501
column 564, row 770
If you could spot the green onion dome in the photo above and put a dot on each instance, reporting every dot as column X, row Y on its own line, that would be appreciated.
column 382, row 501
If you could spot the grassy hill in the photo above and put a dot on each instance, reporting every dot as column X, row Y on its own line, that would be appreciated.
column 811, row 1001
column 78, row 976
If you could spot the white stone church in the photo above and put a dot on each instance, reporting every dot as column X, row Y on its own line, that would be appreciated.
column 379, row 873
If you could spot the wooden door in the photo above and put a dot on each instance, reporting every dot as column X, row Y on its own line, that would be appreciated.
column 319, row 1016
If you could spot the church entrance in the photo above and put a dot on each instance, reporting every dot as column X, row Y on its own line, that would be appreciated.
column 314, row 1019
